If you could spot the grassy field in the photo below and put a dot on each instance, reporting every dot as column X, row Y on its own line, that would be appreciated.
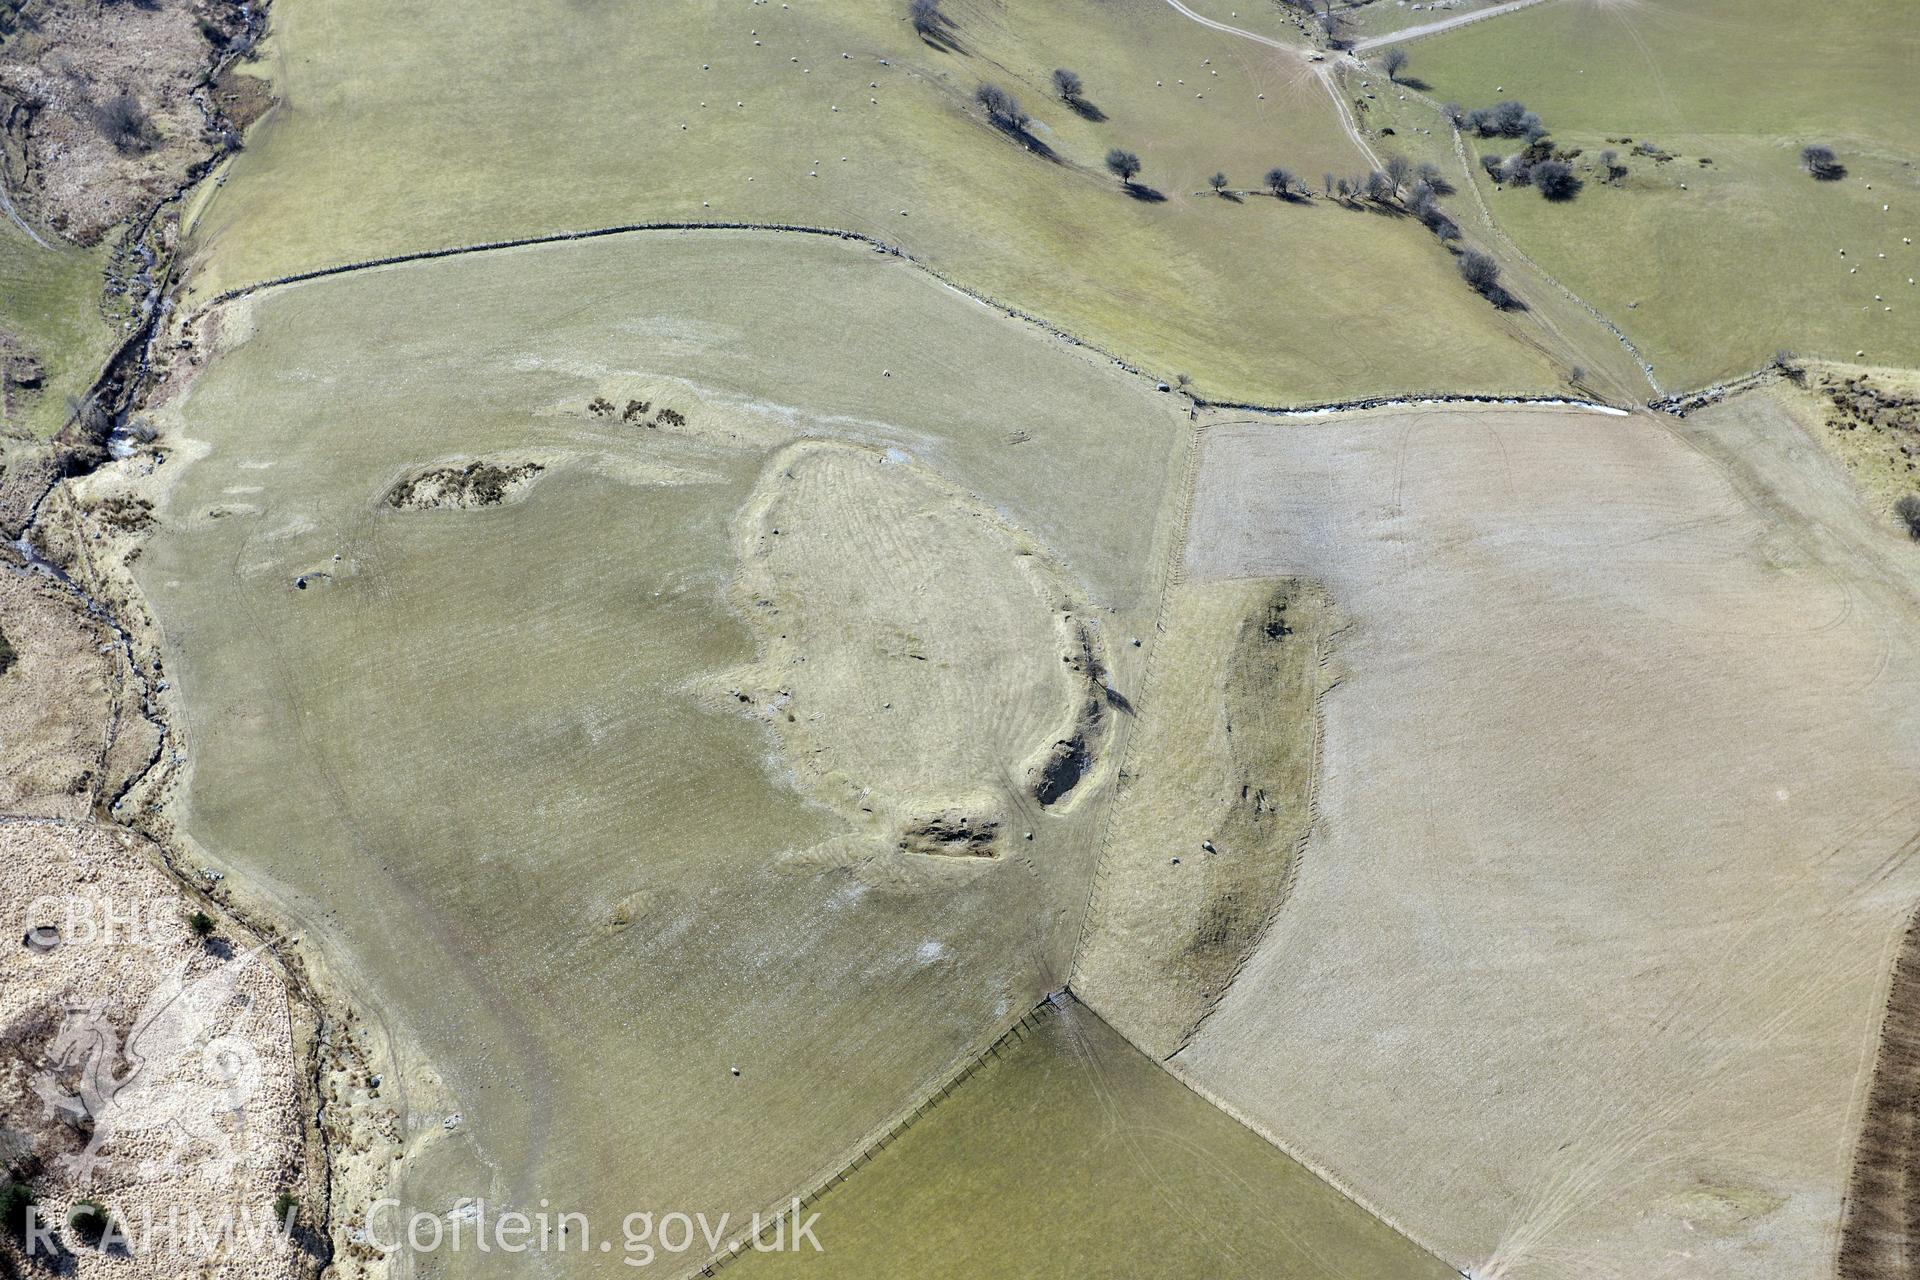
column 383, row 145
column 496, row 762
column 1599, row 927
column 1713, row 267
column 1213, row 806
column 1070, row 1154
column 50, row 300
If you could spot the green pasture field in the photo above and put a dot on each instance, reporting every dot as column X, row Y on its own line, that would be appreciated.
column 1711, row 268
column 50, row 301
column 477, row 759
column 409, row 127
column 1071, row 1154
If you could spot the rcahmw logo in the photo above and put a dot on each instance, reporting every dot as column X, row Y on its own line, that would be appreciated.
column 77, row 920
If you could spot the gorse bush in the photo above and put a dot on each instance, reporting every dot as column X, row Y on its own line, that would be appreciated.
column 1555, row 180
column 16, row 1198
column 89, row 1220
column 124, row 123
column 1908, row 509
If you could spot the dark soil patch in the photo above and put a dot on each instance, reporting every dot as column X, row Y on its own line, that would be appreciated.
column 241, row 99
column 1060, row 772
column 1859, row 404
column 1070, row 758
column 951, row 833
column 478, row 484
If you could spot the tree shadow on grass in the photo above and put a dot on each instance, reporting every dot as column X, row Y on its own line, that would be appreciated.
column 1414, row 83
column 1143, row 193
column 1021, row 135
column 939, row 34
column 1367, row 204
column 1086, row 110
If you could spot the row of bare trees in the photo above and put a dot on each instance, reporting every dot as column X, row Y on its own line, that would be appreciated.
column 1414, row 189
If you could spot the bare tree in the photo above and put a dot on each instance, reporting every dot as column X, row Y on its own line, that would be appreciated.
column 1434, row 176
column 1821, row 162
column 1395, row 62
column 927, row 19
column 1326, row 183
column 1505, row 120
column 1124, row 165
column 1002, row 108
column 1380, row 188
column 1219, row 184
column 1483, row 273
column 1067, row 85
column 1399, row 169
column 1424, row 204
column 1280, row 182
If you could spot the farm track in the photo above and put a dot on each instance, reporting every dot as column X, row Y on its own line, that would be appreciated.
column 13, row 215
column 1426, row 29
